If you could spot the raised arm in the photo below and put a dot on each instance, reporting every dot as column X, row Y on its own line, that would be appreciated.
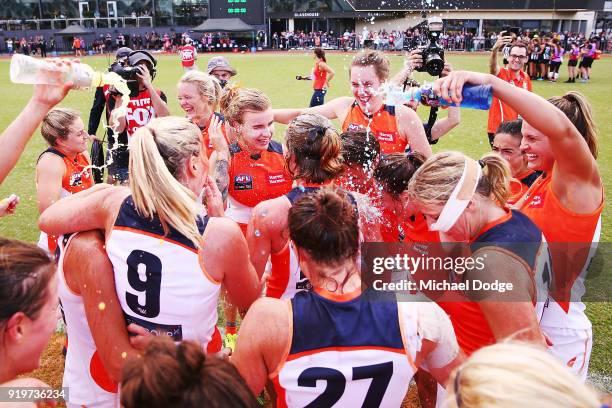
column 574, row 163
column 16, row 136
column 501, row 42
column 411, row 128
column 443, row 126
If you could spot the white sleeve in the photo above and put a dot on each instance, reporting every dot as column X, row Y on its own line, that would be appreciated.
column 434, row 325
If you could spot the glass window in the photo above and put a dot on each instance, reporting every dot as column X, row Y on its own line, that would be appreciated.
column 60, row 8
column 190, row 12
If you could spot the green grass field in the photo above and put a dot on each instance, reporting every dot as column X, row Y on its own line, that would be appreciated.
column 275, row 74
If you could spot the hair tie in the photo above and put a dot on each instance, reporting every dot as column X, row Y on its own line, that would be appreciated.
column 482, row 163
column 315, row 133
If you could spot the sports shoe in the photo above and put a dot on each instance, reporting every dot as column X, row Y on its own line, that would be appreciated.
column 230, row 341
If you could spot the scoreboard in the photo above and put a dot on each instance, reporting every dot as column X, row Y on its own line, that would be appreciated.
column 250, row 11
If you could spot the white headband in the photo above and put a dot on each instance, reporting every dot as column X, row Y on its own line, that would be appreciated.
column 460, row 197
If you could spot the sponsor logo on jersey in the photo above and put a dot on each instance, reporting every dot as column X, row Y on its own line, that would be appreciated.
column 175, row 331
column 385, row 137
column 354, row 127
column 243, row 182
column 276, row 178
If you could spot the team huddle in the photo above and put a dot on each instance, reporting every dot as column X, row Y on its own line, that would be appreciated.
column 207, row 212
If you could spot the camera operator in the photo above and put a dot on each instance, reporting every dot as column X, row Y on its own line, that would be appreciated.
column 146, row 103
column 513, row 74
column 434, row 128
column 101, row 101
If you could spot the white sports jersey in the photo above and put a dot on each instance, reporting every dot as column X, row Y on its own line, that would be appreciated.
column 84, row 373
column 352, row 353
column 160, row 283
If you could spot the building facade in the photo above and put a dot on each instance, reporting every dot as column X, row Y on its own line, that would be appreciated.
column 477, row 16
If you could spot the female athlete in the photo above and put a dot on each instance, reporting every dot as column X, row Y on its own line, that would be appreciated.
column 565, row 202
column 169, row 261
column 62, row 169
column 397, row 128
column 336, row 345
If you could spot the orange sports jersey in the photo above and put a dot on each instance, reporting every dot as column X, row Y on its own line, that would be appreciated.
column 260, row 177
column 521, row 183
column 206, row 138
column 320, row 77
column 500, row 111
column 382, row 124
column 509, row 233
column 571, row 236
column 411, row 229
column 76, row 178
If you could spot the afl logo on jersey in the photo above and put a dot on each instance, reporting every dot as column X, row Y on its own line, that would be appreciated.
column 76, row 179
column 537, row 201
column 354, row 127
column 243, row 182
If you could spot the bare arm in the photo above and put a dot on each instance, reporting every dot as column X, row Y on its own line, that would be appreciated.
column 411, row 129
column 225, row 256
column 219, row 159
column 258, row 239
column 263, row 341
column 161, row 109
column 328, row 69
column 87, row 263
column 16, row 136
column 501, row 41
column 517, row 302
column 49, row 173
column 443, row 126
column 576, row 170
column 95, row 208
column 334, row 109
column 413, row 60
column 286, row 115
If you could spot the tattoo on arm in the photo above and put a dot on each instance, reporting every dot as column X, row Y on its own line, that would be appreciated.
column 222, row 177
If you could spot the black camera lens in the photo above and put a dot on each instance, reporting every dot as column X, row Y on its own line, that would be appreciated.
column 434, row 64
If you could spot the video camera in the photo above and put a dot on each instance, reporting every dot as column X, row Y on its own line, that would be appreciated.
column 433, row 53
column 127, row 69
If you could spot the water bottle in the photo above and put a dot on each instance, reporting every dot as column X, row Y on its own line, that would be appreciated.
column 29, row 70
column 474, row 96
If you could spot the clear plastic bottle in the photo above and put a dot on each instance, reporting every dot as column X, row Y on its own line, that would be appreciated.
column 473, row 96
column 29, row 70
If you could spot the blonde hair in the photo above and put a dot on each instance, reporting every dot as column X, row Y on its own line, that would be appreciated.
column 56, row 124
column 509, row 375
column 375, row 59
column 435, row 180
column 315, row 147
column 159, row 153
column 578, row 110
column 235, row 101
column 208, row 86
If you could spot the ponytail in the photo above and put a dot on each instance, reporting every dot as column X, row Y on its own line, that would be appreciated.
column 496, row 178
column 159, row 152
column 578, row 110
column 314, row 146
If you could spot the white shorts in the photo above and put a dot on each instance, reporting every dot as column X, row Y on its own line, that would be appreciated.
column 572, row 347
